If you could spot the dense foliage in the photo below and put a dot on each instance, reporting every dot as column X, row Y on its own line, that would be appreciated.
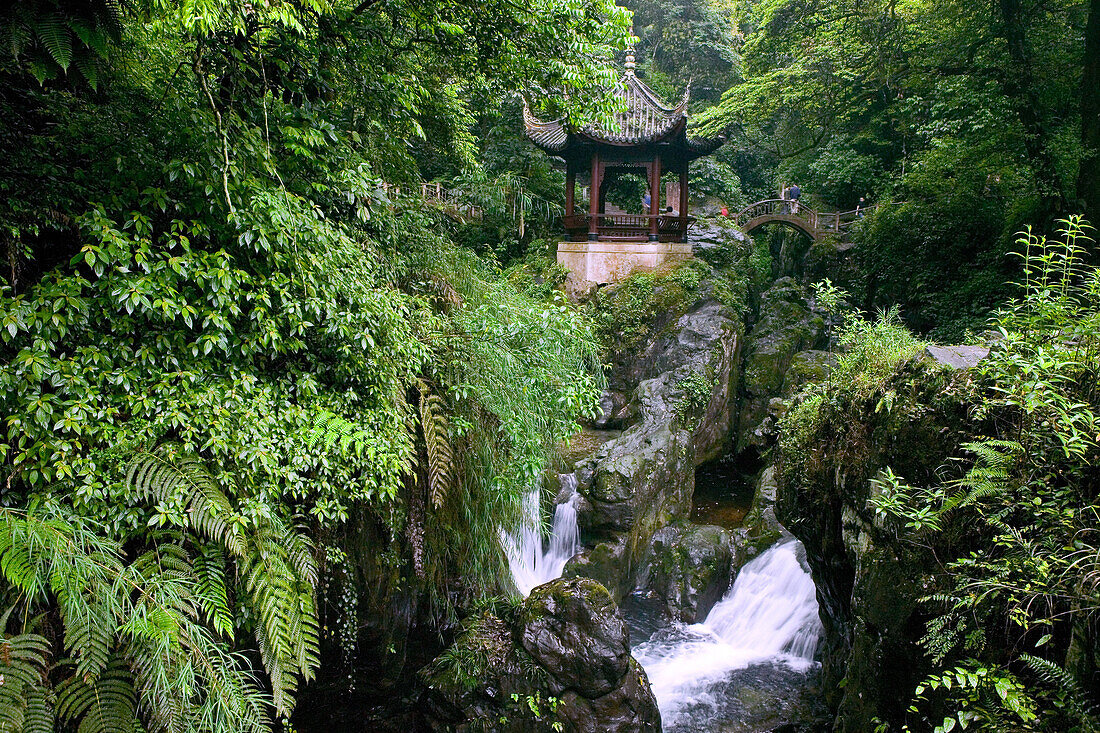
column 978, row 117
column 1017, row 622
column 1006, row 528
column 228, row 359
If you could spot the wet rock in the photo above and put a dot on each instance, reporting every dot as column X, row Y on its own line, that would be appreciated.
column 603, row 563
column 562, row 657
column 957, row 357
column 809, row 366
column 688, row 568
column 869, row 583
column 614, row 411
column 785, row 327
column 646, row 476
column 761, row 524
column 571, row 630
column 631, row 707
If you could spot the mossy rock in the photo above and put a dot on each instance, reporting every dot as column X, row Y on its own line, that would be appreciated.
column 689, row 568
column 559, row 660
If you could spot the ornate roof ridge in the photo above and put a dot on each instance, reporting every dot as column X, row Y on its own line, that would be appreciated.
column 646, row 119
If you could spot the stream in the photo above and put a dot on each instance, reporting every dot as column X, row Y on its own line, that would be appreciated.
column 748, row 667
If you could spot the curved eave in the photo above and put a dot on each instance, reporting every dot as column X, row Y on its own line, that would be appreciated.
column 550, row 136
column 703, row 146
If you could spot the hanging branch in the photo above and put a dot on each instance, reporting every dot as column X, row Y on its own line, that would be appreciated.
column 198, row 69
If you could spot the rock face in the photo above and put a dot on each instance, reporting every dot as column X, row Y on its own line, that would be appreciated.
column 869, row 582
column 957, row 357
column 688, row 568
column 564, row 652
column 786, row 325
column 674, row 395
column 761, row 525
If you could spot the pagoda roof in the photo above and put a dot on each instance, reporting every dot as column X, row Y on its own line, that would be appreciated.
column 644, row 119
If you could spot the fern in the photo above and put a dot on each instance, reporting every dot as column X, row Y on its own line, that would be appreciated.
column 331, row 430
column 441, row 464
column 23, row 665
column 133, row 632
column 39, row 716
column 1065, row 683
column 106, row 704
column 990, row 474
column 211, row 589
column 276, row 575
column 53, row 31
column 186, row 482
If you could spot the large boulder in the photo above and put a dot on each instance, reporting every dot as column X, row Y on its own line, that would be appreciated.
column 560, row 661
column 689, row 567
column 786, row 325
column 629, row 489
column 761, row 525
column 644, row 478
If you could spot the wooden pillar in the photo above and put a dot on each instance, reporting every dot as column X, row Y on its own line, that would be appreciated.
column 683, row 201
column 570, row 187
column 594, row 199
column 654, row 197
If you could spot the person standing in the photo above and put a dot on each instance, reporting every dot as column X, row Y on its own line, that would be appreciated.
column 860, row 206
column 794, row 193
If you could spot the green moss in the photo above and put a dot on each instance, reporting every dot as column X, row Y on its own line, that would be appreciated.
column 695, row 392
column 642, row 305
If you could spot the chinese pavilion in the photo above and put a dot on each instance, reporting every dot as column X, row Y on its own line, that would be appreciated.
column 648, row 138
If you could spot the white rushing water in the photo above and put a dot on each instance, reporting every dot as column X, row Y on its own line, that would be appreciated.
column 535, row 559
column 768, row 616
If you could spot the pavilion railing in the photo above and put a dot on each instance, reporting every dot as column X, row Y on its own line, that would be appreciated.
column 628, row 227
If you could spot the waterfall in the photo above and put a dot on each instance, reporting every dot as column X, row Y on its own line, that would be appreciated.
column 535, row 560
column 769, row 616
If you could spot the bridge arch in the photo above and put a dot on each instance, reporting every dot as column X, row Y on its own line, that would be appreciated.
column 815, row 225
column 792, row 222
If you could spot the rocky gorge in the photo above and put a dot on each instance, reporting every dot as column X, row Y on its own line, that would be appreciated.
column 703, row 374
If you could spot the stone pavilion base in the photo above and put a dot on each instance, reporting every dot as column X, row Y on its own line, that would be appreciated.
column 607, row 262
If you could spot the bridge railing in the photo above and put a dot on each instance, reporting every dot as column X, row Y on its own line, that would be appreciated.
column 776, row 208
column 821, row 223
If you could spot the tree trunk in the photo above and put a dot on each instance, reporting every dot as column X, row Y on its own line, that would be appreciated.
column 1088, row 176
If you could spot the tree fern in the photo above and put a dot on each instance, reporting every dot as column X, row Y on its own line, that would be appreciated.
column 133, row 629
column 212, row 590
column 105, row 704
column 282, row 597
column 53, row 31
column 39, row 715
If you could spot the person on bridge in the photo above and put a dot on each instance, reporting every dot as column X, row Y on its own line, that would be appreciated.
column 860, row 206
column 794, row 193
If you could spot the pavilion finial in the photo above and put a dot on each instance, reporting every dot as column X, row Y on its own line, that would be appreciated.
column 629, row 65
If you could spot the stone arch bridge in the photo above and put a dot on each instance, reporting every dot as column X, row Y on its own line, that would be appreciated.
column 814, row 224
